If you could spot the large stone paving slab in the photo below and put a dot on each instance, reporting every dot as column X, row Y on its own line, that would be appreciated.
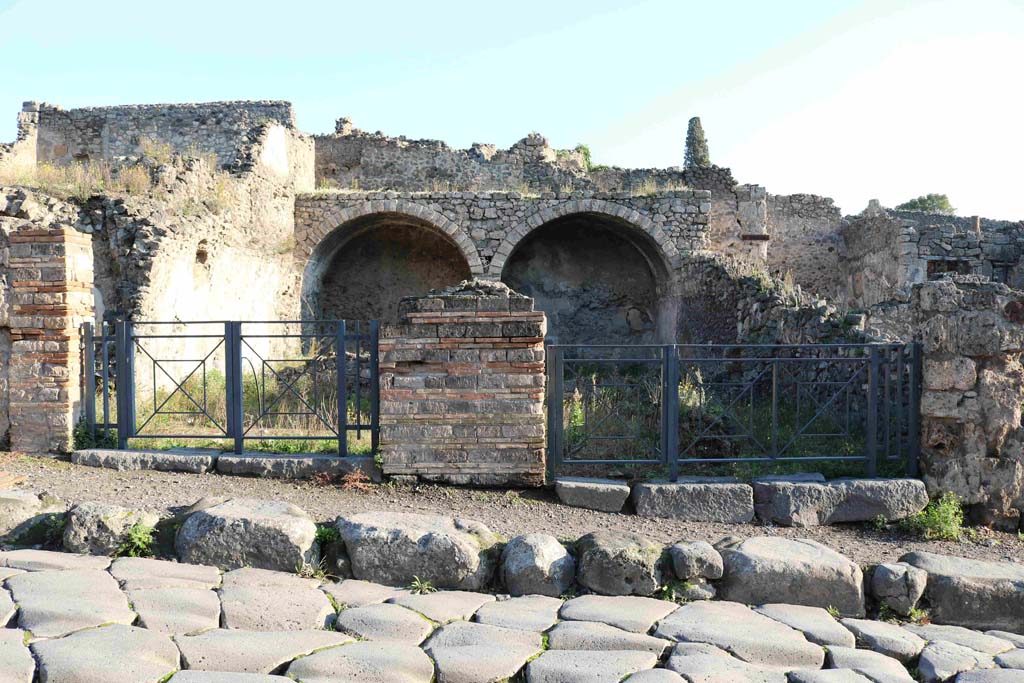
column 1014, row 659
column 366, row 663
column 262, row 600
column 961, row 636
column 828, row 676
column 384, row 622
column 593, row 635
column 260, row 652
column 176, row 610
column 889, row 639
column 736, row 628
column 793, row 571
column 816, row 624
column 874, row 665
column 7, row 608
column 636, row 614
column 444, row 606
column 46, row 560
column 111, row 654
column 703, row 663
column 1016, row 638
column 136, row 573
column 991, row 676
column 55, row 603
column 16, row 663
column 973, row 593
column 465, row 652
column 580, row 666
column 526, row 613
column 224, row 677
column 941, row 660
column 357, row 593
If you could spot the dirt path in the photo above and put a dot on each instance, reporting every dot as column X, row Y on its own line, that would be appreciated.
column 509, row 513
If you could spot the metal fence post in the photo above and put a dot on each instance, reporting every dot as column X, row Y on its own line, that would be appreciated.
column 233, row 383
column 341, row 362
column 374, row 385
column 914, row 411
column 670, row 410
column 125, row 381
column 871, row 438
column 89, row 378
column 556, row 420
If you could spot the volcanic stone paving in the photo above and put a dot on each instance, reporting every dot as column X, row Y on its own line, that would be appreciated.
column 85, row 619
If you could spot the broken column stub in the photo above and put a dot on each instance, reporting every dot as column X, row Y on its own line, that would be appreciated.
column 462, row 387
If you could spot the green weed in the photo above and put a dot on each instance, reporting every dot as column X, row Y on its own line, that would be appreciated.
column 421, row 586
column 139, row 543
column 941, row 520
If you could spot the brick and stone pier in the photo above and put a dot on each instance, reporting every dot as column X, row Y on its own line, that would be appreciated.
column 51, row 286
column 462, row 388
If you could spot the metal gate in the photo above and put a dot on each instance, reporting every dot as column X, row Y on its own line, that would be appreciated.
column 233, row 381
column 663, row 407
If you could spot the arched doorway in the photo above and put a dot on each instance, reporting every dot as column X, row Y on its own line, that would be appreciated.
column 600, row 279
column 362, row 269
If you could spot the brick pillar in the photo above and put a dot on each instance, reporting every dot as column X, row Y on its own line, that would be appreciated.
column 51, row 285
column 462, row 388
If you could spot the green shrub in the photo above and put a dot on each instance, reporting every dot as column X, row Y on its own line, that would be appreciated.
column 82, row 437
column 941, row 520
column 139, row 542
column 326, row 534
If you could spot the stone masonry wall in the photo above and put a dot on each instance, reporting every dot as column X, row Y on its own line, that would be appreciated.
column 356, row 160
column 488, row 225
column 972, row 441
column 805, row 241
column 885, row 251
column 462, row 388
column 51, row 283
column 108, row 132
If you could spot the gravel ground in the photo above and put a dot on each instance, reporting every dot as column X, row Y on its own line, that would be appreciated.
column 509, row 512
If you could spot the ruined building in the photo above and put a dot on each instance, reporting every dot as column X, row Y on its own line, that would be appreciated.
column 228, row 211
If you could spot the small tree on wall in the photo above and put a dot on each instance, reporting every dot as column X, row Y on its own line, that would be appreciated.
column 696, row 145
column 928, row 203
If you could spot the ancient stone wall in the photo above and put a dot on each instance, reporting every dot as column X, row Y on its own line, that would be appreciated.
column 356, row 160
column 22, row 152
column 885, row 252
column 805, row 241
column 95, row 133
column 738, row 224
column 972, row 441
column 462, row 388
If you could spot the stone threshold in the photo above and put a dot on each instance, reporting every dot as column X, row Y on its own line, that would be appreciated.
column 204, row 460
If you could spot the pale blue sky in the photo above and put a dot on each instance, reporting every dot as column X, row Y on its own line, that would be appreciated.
column 851, row 100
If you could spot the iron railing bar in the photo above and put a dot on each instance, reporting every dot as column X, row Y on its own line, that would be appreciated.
column 818, row 414
column 289, row 387
column 719, row 419
column 178, row 386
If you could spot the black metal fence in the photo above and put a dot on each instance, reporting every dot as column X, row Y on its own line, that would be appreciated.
column 675, row 406
column 234, row 381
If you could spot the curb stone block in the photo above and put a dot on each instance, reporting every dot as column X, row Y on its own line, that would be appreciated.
column 698, row 499
column 603, row 495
